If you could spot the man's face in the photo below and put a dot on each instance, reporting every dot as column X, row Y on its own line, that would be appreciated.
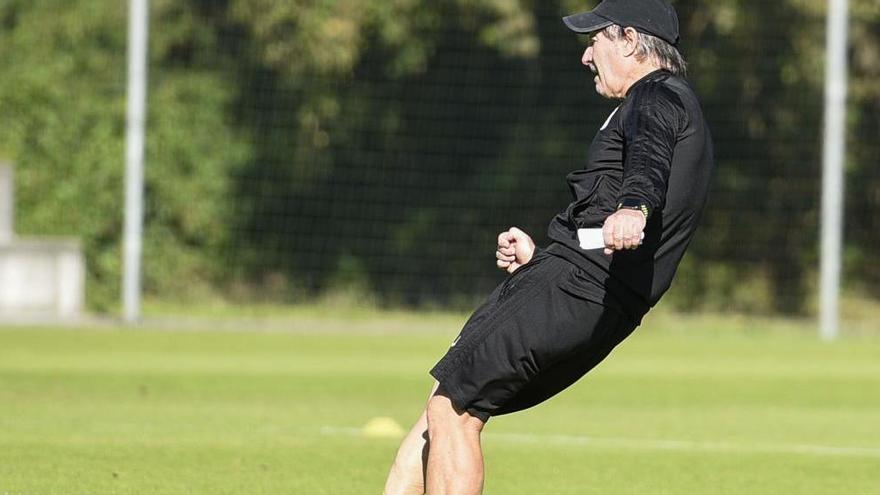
column 604, row 59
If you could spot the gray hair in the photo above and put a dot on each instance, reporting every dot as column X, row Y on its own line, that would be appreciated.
column 660, row 52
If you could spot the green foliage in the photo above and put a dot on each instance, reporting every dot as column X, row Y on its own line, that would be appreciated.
column 863, row 188
column 304, row 37
column 62, row 104
column 62, row 99
column 192, row 156
column 263, row 112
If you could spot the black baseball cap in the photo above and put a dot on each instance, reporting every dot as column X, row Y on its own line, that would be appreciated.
column 655, row 17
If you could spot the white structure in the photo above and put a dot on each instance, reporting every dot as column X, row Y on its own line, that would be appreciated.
column 40, row 279
column 7, row 204
column 136, row 114
column 833, row 164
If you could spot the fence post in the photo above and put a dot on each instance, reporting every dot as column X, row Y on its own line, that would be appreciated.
column 138, row 23
column 7, row 203
column 833, row 159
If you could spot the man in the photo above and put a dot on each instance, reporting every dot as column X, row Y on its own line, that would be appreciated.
column 564, row 308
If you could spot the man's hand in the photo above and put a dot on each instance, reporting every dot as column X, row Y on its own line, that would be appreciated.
column 515, row 248
column 623, row 230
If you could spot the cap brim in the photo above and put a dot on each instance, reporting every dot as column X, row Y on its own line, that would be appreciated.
column 586, row 22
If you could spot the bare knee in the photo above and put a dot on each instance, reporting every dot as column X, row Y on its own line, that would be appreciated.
column 442, row 415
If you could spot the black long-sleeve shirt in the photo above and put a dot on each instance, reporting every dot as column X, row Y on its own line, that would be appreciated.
column 654, row 147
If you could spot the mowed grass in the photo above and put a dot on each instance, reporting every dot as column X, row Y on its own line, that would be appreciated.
column 688, row 405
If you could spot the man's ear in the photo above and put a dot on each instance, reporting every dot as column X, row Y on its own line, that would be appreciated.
column 630, row 41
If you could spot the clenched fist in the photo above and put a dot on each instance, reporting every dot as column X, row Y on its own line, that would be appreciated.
column 515, row 248
column 623, row 230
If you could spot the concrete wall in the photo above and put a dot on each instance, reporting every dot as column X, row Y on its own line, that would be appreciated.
column 41, row 278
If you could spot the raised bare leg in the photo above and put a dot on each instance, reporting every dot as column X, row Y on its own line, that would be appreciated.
column 407, row 475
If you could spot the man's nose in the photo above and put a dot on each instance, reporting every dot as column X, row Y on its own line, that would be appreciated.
column 587, row 58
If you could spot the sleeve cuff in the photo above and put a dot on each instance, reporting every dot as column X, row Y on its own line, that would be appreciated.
column 633, row 203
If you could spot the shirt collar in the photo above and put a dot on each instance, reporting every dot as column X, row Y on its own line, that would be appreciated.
column 650, row 76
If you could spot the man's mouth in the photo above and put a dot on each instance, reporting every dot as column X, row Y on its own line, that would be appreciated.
column 593, row 68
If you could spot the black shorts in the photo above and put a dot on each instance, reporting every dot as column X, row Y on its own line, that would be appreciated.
column 533, row 337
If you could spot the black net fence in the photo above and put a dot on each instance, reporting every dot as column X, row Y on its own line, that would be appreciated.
column 373, row 150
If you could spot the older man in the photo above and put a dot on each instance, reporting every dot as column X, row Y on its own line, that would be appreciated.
column 565, row 307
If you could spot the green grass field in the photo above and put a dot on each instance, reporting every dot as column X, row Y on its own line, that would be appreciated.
column 700, row 405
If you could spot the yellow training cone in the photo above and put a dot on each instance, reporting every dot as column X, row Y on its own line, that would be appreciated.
column 383, row 427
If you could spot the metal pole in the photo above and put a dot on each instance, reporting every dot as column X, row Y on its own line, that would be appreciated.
column 833, row 160
column 138, row 22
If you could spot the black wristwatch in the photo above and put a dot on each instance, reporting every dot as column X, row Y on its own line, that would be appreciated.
column 635, row 204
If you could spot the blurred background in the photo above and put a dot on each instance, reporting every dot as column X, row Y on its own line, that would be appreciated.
column 324, row 184
column 368, row 152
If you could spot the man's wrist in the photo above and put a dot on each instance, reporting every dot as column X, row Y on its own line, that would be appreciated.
column 635, row 204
